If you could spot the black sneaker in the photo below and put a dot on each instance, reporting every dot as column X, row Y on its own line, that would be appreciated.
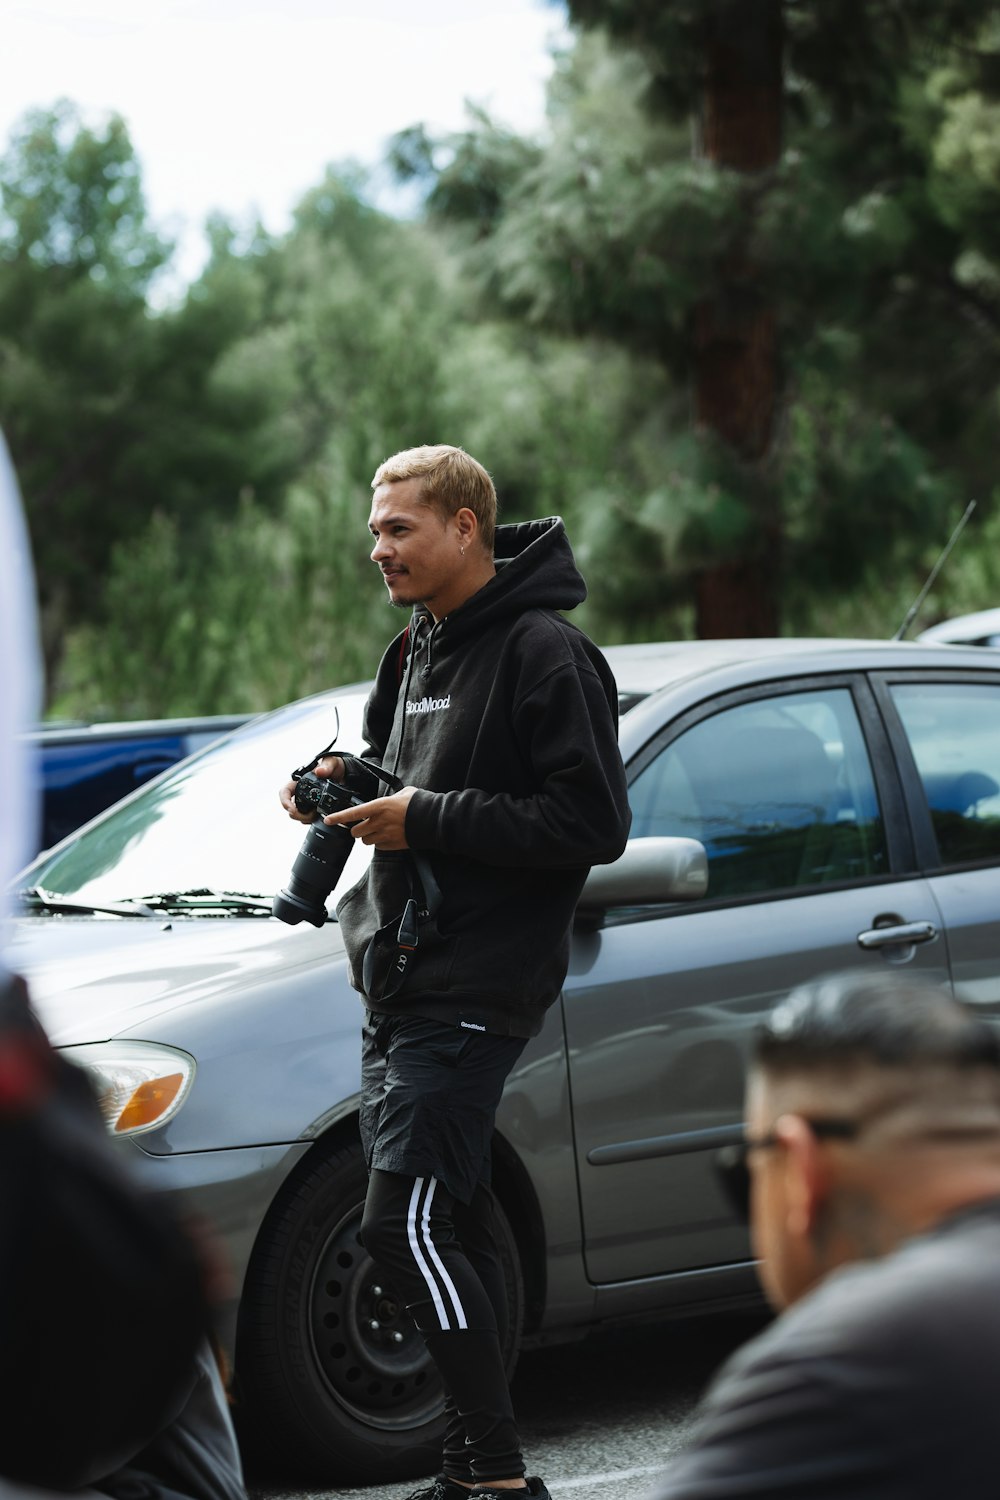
column 535, row 1488
column 441, row 1488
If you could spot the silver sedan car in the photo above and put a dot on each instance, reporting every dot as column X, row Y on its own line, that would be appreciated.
column 798, row 807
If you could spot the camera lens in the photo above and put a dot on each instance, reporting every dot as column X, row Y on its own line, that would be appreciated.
column 318, row 866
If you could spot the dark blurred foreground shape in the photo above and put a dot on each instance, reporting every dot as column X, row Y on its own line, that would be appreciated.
column 104, row 1305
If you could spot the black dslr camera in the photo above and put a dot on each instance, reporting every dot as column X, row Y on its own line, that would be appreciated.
column 321, row 795
column 320, row 862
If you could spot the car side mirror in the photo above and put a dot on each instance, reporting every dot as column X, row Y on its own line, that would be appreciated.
column 649, row 872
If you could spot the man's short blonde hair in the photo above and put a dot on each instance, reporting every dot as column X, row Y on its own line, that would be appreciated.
column 452, row 479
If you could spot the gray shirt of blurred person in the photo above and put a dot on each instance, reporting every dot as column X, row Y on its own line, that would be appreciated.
column 871, row 1168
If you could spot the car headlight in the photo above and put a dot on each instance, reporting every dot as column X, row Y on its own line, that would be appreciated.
column 139, row 1085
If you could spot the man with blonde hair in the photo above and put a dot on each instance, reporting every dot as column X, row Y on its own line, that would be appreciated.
column 499, row 718
column 871, row 1170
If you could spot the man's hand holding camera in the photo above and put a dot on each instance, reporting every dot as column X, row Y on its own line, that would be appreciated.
column 329, row 767
column 382, row 822
column 321, row 795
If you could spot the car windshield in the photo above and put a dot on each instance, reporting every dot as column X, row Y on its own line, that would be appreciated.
column 212, row 826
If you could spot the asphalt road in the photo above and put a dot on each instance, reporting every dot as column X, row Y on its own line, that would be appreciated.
column 598, row 1418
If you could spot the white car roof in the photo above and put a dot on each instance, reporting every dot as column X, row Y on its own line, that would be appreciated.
column 981, row 628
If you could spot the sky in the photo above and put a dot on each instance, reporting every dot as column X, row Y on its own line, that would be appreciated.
column 239, row 104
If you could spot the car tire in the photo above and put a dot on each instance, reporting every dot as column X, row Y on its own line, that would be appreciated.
column 332, row 1377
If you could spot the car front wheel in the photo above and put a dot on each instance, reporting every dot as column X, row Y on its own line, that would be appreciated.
column 333, row 1377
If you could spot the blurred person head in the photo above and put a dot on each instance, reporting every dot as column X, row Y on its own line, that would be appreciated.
column 450, row 480
column 873, row 1112
column 20, row 687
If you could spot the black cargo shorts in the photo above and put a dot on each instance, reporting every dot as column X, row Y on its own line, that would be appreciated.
column 429, row 1095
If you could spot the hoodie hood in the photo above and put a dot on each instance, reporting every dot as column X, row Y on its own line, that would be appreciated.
column 535, row 570
column 536, row 566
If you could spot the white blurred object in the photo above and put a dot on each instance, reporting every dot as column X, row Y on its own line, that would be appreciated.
column 980, row 629
column 20, row 685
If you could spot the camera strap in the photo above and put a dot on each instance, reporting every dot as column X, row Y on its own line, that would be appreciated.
column 392, row 782
column 429, row 890
column 304, row 770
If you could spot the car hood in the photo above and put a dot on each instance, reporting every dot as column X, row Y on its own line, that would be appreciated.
column 92, row 978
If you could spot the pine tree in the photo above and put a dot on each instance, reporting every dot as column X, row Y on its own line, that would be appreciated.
column 807, row 273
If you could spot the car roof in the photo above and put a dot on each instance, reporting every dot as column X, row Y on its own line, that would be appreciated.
column 63, row 732
column 642, row 669
column 983, row 626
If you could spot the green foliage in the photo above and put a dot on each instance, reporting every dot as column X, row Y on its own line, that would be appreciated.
column 970, row 581
column 197, row 477
column 849, row 54
column 244, row 612
column 72, row 200
column 110, row 411
column 252, row 611
column 356, row 330
column 467, row 179
column 314, row 356
column 873, row 239
column 611, row 229
column 567, row 427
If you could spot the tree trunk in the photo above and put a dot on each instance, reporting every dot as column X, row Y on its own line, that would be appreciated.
column 735, row 341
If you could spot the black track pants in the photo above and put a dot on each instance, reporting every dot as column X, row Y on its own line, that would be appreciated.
column 441, row 1256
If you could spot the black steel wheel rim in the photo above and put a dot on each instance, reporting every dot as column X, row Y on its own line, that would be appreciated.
column 366, row 1348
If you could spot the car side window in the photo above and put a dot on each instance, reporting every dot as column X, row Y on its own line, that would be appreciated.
column 780, row 792
column 954, row 733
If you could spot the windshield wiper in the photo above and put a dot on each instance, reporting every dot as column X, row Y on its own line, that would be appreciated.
column 36, row 900
column 203, row 899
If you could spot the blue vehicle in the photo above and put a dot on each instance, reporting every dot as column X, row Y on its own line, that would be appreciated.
column 84, row 768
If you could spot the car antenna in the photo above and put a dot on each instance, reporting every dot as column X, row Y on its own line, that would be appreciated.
column 918, row 601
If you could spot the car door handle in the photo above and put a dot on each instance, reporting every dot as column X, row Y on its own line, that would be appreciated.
column 904, row 932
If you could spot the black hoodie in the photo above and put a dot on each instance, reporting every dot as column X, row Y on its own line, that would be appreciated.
column 503, row 715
